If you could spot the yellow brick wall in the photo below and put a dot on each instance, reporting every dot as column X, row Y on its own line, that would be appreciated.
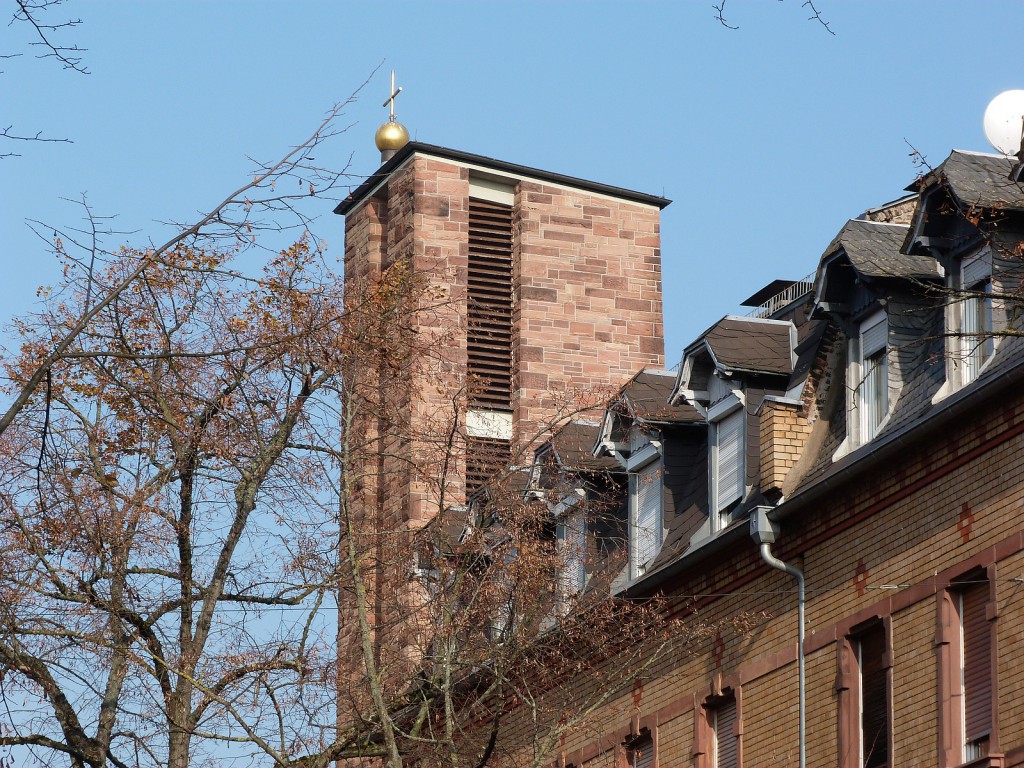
column 882, row 546
column 784, row 433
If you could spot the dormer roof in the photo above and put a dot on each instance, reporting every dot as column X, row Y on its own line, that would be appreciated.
column 737, row 346
column 644, row 399
column 976, row 179
column 572, row 448
column 647, row 394
column 874, row 251
column 751, row 345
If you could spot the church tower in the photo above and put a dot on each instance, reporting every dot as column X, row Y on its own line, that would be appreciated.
column 553, row 284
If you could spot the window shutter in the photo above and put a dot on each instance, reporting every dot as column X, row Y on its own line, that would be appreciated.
column 485, row 458
column 729, row 459
column 572, row 542
column 874, row 697
column 727, row 745
column 974, row 270
column 977, row 650
column 647, row 514
column 873, row 336
column 642, row 754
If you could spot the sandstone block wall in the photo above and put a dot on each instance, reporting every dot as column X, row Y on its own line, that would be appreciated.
column 587, row 308
column 588, row 311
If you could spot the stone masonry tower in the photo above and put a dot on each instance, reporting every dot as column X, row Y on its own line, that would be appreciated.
column 553, row 285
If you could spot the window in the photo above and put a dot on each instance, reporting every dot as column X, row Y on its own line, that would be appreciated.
column 645, row 516
column 874, row 698
column 864, row 698
column 571, row 535
column 717, row 732
column 722, row 720
column 727, row 465
column 965, row 670
column 870, row 373
column 976, row 342
column 640, row 751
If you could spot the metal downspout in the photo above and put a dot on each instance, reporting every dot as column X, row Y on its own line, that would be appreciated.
column 774, row 562
column 763, row 531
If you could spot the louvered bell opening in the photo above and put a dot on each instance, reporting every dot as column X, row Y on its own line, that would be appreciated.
column 489, row 332
column 977, row 640
column 726, row 745
column 485, row 458
column 874, row 696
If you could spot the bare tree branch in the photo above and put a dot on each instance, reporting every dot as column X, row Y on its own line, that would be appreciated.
column 720, row 15
column 816, row 16
column 216, row 225
column 31, row 11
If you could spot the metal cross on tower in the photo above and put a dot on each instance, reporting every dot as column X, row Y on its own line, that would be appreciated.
column 390, row 101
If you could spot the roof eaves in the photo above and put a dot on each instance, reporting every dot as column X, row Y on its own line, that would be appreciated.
column 875, row 453
column 713, row 545
column 413, row 147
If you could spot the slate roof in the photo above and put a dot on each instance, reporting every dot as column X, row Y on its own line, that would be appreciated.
column 916, row 419
column 574, row 445
column 685, row 493
column 977, row 178
column 873, row 249
column 646, row 396
column 751, row 345
column 914, row 409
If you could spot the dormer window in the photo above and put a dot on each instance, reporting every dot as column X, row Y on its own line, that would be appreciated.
column 646, row 525
column 726, row 424
column 869, row 373
column 571, row 535
column 976, row 342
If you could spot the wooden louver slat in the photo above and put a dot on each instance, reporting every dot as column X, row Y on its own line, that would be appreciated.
column 485, row 457
column 489, row 313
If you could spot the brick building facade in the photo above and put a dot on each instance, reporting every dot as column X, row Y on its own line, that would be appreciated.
column 873, row 420
column 884, row 444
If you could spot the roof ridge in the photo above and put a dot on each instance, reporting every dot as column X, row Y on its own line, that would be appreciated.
column 996, row 155
column 881, row 223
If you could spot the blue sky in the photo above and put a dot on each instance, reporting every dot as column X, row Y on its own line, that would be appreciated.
column 767, row 138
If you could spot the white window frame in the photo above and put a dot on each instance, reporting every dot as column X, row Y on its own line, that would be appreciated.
column 645, row 476
column 730, row 414
column 868, row 398
column 974, row 342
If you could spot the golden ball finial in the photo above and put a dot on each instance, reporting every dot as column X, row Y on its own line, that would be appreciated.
column 391, row 136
